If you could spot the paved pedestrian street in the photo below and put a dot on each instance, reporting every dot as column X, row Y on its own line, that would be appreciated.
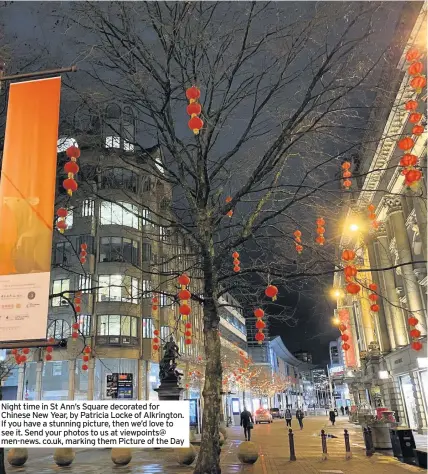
column 273, row 448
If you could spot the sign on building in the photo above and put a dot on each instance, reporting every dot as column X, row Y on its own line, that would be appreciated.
column 119, row 386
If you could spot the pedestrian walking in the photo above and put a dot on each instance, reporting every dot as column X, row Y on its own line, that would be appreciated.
column 336, row 412
column 342, row 410
column 332, row 416
column 347, row 410
column 288, row 416
column 247, row 423
column 300, row 416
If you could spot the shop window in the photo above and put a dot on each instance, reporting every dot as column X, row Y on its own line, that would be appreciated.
column 60, row 286
column 147, row 252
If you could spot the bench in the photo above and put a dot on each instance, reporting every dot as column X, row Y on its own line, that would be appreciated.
column 421, row 457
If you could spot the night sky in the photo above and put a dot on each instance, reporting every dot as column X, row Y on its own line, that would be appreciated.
column 27, row 30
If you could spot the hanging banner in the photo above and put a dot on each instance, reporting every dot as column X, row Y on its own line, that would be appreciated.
column 27, row 199
column 345, row 318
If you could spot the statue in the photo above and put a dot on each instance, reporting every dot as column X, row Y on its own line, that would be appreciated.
column 168, row 364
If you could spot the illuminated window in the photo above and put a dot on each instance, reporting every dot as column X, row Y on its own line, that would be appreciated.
column 117, row 325
column 88, row 207
column 60, row 286
column 118, row 288
column 147, row 328
column 121, row 213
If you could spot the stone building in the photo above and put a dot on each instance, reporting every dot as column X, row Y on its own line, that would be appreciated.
column 386, row 370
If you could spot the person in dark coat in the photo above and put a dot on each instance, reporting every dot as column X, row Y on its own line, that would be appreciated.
column 342, row 410
column 288, row 417
column 332, row 416
column 347, row 410
column 247, row 423
column 300, row 416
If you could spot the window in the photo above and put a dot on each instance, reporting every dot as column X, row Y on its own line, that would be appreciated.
column 60, row 286
column 121, row 213
column 163, row 300
column 69, row 219
column 147, row 328
column 146, row 288
column 146, row 217
column 147, row 252
column 85, row 324
column 88, row 207
column 118, row 288
column 85, row 282
column 163, row 234
column 57, row 369
column 116, row 325
column 63, row 253
column 119, row 178
column 59, row 329
column 147, row 184
column 112, row 142
column 119, row 249
column 164, row 332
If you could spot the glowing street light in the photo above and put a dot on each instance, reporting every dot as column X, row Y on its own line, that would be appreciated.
column 336, row 321
column 336, row 293
column 354, row 227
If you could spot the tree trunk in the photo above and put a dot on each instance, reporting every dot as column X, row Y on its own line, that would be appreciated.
column 209, row 455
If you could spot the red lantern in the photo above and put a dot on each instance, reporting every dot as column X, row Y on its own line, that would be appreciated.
column 87, row 350
column 74, row 335
column 320, row 240
column 373, row 286
column 415, row 68
column 61, row 226
column 348, row 255
column 85, row 358
column 193, row 93
column 48, row 357
column 411, row 105
column 418, row 130
column 156, row 340
column 73, row 152
column 70, row 185
column 412, row 176
column 320, row 230
column 156, row 332
column 418, row 83
column 260, row 324
column 49, row 349
column 235, row 255
column 371, row 207
column 415, row 333
column 228, row 199
column 184, row 295
column 297, row 234
column 344, row 337
column 373, row 297
column 188, row 341
column 259, row 337
column 230, row 213
column 416, row 345
column 342, row 327
column 259, row 313
column 236, row 262
column 299, row 248
column 346, row 165
column 82, row 260
column 188, row 325
column 347, row 183
column 353, row 288
column 71, row 167
column 346, row 346
column 415, row 117
column 320, row 221
column 61, row 212
column 14, row 351
column 185, row 310
column 183, row 280
column 195, row 124
column 271, row 292
column 85, row 367
column 412, row 55
column 375, row 308
column 188, row 333
column 236, row 269
column 194, row 108
column 77, row 308
column 408, row 160
column 155, row 347
column 77, row 300
column 405, row 143
column 75, row 325
column 413, row 321
column 347, row 174
column 350, row 271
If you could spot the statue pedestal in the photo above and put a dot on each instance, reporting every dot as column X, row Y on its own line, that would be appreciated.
column 169, row 389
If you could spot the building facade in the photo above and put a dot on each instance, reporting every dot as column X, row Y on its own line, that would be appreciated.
column 383, row 368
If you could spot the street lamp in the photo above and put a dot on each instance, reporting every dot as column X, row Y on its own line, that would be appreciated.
column 335, row 321
column 354, row 227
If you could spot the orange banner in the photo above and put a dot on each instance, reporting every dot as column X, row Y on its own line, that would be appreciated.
column 27, row 198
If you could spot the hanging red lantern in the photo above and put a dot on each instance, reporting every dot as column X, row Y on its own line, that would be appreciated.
column 75, row 326
column 350, row 271
column 62, row 212
column 348, row 255
column 373, row 297
column 299, row 248
column 320, row 221
column 194, row 109
column 415, row 68
column 342, row 327
column 406, row 143
column 156, row 340
column 347, row 183
column 346, row 346
column 49, row 349
column 193, row 93
column 415, row 333
column 413, row 321
column 183, row 280
column 418, row 130
column 235, row 255
column 184, row 295
column 408, row 160
column 320, row 230
column 74, row 335
column 73, row 152
column 71, row 167
column 416, row 345
column 188, row 342
column 259, row 313
column 297, row 234
column 259, row 337
column 70, row 186
column 236, row 269
column 346, row 165
column 373, row 286
column 61, row 226
column 185, row 310
column 320, row 240
column 352, row 288
column 375, row 308
column 413, row 176
column 155, row 347
column 188, row 333
column 415, row 117
column 347, row 174
column 85, row 358
column 87, row 350
column 85, row 367
column 412, row 55
column 48, row 357
column 418, row 83
column 260, row 324
column 344, row 337
column 271, row 292
column 372, row 216
column 411, row 105
column 371, row 207
column 195, row 124
column 236, row 262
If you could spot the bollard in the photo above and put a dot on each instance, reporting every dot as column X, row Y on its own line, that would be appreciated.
column 367, row 442
column 291, row 441
column 348, row 454
column 370, row 438
column 324, row 445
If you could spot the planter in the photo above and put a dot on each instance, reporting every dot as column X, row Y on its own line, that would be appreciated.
column 121, row 456
column 247, row 452
column 381, row 436
column 17, row 456
column 63, row 457
column 185, row 456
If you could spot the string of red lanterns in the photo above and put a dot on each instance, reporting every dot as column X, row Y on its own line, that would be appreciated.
column 320, row 231
column 184, row 296
column 373, row 297
column 372, row 216
column 156, row 340
column 260, row 325
column 228, row 200
column 20, row 355
column 61, row 225
column 77, row 308
column 346, row 167
column 414, row 333
column 344, row 336
column 83, row 253
column 71, row 168
column 194, row 109
column 85, row 358
column 298, row 240
column 236, row 262
column 350, row 271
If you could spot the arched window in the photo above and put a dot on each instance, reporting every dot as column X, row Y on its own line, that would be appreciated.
column 59, row 329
